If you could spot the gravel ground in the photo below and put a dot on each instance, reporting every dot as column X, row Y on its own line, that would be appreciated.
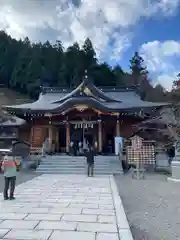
column 21, row 177
column 152, row 206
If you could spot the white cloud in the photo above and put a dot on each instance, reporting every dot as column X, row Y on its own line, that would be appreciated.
column 166, row 80
column 161, row 58
column 74, row 20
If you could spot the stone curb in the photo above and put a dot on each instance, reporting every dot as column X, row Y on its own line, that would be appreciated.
column 122, row 222
column 173, row 179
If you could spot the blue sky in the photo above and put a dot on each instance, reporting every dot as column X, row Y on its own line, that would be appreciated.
column 117, row 29
column 156, row 29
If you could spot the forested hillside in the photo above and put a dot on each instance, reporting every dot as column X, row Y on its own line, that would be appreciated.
column 25, row 66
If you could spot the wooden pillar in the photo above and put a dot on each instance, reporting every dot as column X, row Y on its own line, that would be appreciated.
column 99, row 136
column 67, row 136
column 50, row 135
column 57, row 140
column 117, row 128
column 31, row 136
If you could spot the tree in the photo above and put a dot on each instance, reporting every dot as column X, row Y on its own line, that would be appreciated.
column 25, row 65
column 119, row 76
column 176, row 83
column 155, row 129
column 138, row 70
column 103, row 75
column 88, row 55
column 9, row 49
column 18, row 80
column 73, row 65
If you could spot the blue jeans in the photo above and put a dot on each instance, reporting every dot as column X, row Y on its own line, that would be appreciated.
column 9, row 182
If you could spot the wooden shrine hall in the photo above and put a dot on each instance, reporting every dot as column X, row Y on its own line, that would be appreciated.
column 84, row 114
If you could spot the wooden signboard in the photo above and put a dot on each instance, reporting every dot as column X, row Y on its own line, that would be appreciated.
column 137, row 143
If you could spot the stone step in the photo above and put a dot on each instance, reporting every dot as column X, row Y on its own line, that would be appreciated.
column 75, row 172
column 68, row 156
column 76, row 168
column 77, row 165
column 84, row 161
column 78, row 160
column 99, row 174
column 73, row 167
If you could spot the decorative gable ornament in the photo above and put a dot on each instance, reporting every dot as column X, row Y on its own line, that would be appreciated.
column 81, row 108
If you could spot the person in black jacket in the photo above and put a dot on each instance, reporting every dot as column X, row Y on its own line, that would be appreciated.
column 90, row 154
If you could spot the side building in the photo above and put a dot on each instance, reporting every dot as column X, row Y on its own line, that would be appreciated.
column 86, row 113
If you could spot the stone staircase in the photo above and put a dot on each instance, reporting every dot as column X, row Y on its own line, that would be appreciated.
column 77, row 165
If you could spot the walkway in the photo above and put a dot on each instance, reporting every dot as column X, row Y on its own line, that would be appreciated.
column 53, row 207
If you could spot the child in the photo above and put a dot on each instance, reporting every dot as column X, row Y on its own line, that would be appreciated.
column 9, row 168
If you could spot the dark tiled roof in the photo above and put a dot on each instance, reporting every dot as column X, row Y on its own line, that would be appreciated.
column 52, row 99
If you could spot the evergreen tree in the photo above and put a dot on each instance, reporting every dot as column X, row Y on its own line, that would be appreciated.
column 73, row 63
column 18, row 80
column 25, row 66
column 119, row 76
column 138, row 69
column 89, row 55
column 103, row 76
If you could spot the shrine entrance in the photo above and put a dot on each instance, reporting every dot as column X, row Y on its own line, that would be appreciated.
column 78, row 130
column 83, row 133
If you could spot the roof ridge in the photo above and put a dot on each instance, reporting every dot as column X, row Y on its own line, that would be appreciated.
column 54, row 90
column 101, row 88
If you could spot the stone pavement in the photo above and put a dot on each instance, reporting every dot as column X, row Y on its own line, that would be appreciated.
column 53, row 207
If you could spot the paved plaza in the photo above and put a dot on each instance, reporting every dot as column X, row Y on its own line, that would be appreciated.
column 53, row 207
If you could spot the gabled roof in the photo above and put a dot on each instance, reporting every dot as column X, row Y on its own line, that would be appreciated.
column 107, row 100
column 8, row 96
column 87, row 89
column 13, row 121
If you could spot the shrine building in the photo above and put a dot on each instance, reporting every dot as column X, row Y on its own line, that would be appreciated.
column 86, row 113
